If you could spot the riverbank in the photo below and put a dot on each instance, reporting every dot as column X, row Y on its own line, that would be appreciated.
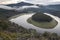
column 12, row 17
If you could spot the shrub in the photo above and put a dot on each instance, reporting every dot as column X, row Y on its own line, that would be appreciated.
column 4, row 24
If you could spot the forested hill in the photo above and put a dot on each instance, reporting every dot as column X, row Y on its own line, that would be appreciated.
column 7, row 13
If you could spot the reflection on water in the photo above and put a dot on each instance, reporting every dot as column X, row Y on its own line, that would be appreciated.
column 22, row 20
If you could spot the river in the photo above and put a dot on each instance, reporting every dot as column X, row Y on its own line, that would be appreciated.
column 22, row 20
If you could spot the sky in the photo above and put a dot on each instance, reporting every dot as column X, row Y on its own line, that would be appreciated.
column 9, row 1
column 30, row 1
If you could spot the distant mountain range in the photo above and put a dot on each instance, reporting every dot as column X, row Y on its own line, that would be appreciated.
column 28, row 7
column 55, row 7
column 20, row 4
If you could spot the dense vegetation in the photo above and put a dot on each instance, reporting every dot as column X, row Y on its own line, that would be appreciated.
column 3, row 24
column 40, row 17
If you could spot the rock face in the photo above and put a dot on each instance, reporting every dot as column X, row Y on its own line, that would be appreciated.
column 40, row 17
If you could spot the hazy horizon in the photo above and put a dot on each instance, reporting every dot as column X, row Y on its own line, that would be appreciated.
column 44, row 2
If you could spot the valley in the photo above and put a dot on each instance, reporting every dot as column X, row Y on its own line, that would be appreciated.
column 16, row 25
